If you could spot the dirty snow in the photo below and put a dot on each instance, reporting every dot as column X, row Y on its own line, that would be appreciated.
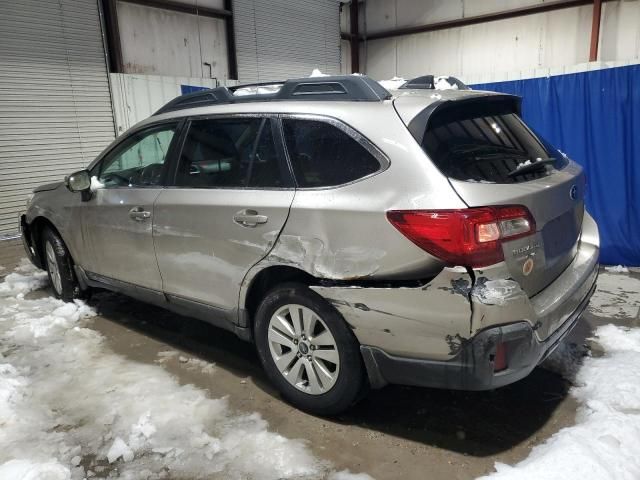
column 70, row 408
column 617, row 269
column 190, row 363
column 604, row 442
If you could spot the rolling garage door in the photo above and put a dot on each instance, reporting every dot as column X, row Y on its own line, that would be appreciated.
column 282, row 39
column 55, row 106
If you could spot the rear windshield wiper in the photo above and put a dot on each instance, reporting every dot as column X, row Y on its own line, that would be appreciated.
column 531, row 166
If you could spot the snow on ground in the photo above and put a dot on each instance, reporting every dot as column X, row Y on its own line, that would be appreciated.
column 604, row 444
column 71, row 408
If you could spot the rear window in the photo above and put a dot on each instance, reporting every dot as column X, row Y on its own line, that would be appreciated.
column 488, row 142
column 322, row 155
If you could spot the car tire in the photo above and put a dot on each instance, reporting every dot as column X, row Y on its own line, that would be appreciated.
column 59, row 267
column 316, row 366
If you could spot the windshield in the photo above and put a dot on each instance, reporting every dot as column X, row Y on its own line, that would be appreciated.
column 488, row 143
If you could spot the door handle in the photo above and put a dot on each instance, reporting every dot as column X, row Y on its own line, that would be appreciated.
column 249, row 218
column 139, row 214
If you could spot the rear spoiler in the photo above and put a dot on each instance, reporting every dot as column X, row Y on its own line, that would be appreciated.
column 442, row 111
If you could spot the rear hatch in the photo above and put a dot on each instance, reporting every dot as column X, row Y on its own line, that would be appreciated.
column 491, row 157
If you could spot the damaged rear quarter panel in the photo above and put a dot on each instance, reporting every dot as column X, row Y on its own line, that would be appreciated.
column 431, row 321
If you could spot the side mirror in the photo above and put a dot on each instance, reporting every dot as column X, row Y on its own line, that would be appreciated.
column 78, row 181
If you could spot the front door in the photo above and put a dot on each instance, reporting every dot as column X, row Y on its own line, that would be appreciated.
column 229, row 201
column 118, row 219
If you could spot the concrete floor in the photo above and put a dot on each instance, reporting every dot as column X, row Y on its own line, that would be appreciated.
column 396, row 432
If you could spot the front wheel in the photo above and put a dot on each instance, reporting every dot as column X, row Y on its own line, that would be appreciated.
column 60, row 267
column 308, row 351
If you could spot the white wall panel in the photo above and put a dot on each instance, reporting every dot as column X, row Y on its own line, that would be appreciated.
column 520, row 47
column 620, row 25
column 164, row 42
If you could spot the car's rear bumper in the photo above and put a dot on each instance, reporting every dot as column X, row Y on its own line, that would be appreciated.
column 472, row 368
column 445, row 333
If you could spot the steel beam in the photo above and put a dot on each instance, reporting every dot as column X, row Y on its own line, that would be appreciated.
column 184, row 7
column 595, row 30
column 461, row 22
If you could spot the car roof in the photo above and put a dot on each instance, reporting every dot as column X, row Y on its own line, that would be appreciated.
column 330, row 95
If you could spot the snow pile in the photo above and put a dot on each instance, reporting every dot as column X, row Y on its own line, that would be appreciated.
column 442, row 83
column 23, row 280
column 393, row 83
column 523, row 164
column 317, row 73
column 604, row 443
column 617, row 269
column 70, row 408
column 258, row 90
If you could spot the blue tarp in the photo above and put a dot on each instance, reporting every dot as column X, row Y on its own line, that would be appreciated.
column 594, row 117
column 184, row 89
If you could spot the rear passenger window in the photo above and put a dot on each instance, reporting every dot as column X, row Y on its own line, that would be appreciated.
column 230, row 153
column 322, row 155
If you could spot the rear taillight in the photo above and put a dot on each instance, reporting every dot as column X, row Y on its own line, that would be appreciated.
column 469, row 237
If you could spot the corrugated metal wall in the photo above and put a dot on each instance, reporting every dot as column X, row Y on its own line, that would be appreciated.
column 280, row 39
column 55, row 107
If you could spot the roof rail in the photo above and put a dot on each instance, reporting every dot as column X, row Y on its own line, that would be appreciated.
column 352, row 88
column 428, row 82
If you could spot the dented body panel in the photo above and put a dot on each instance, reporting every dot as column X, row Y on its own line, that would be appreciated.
column 424, row 322
column 454, row 323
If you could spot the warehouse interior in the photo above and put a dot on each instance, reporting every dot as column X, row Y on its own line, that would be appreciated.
column 107, row 386
column 95, row 69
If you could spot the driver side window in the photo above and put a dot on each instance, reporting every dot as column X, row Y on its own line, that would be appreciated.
column 139, row 161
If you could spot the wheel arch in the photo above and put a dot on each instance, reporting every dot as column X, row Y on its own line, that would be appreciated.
column 255, row 288
column 36, row 229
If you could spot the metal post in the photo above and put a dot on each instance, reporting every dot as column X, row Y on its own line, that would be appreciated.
column 595, row 30
column 231, row 42
column 355, row 37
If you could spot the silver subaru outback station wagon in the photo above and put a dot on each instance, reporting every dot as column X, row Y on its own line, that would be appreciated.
column 357, row 236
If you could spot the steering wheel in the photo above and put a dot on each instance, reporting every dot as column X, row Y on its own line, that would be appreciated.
column 150, row 175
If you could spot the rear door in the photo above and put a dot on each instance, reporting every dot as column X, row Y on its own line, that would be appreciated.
column 491, row 157
column 226, row 206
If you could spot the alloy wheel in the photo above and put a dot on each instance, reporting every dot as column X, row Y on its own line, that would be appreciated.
column 54, row 270
column 303, row 349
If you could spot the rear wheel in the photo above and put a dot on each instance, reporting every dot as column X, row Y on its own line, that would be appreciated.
column 308, row 351
column 60, row 267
